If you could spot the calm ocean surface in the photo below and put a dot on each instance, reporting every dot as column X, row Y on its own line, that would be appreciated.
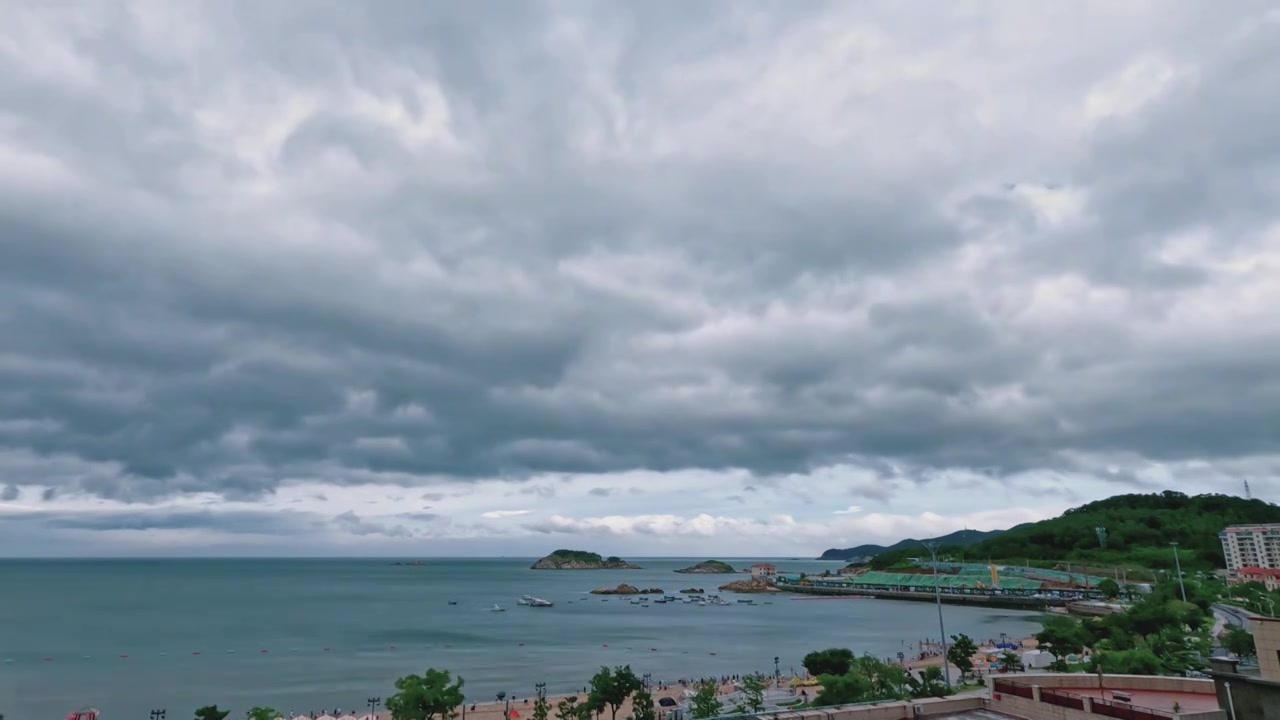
column 329, row 626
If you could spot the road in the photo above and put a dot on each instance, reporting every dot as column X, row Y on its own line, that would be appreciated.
column 1229, row 614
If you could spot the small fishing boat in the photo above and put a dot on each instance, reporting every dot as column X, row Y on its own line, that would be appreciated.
column 523, row 601
column 453, row 602
column 497, row 608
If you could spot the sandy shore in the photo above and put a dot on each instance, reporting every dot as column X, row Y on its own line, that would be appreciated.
column 523, row 706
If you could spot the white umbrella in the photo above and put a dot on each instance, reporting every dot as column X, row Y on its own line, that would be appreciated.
column 348, row 717
column 326, row 716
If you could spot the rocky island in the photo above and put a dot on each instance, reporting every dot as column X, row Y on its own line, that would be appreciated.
column 625, row 589
column 581, row 560
column 754, row 585
column 692, row 591
column 710, row 567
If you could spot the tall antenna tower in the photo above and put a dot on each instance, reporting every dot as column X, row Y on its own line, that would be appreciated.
column 1247, row 495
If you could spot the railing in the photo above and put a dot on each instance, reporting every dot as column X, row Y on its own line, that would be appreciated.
column 1061, row 698
column 1125, row 711
column 1013, row 688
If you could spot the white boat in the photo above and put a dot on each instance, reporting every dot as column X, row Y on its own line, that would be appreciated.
column 497, row 608
column 522, row 601
column 539, row 602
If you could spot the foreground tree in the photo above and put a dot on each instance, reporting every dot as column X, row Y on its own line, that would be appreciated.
column 753, row 687
column 541, row 708
column 832, row 661
column 705, row 704
column 869, row 678
column 263, row 713
column 1109, row 587
column 426, row 696
column 1063, row 636
column 961, row 653
column 612, row 687
column 569, row 709
column 642, row 706
column 929, row 684
column 211, row 712
column 1239, row 641
column 1138, row 661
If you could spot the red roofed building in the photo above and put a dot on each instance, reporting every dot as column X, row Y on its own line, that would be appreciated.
column 763, row 570
column 1267, row 576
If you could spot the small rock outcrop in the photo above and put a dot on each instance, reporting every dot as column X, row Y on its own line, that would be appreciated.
column 754, row 585
column 625, row 589
column 693, row 591
column 581, row 560
column 710, row 567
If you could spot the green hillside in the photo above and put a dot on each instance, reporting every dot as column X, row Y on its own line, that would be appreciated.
column 1139, row 529
column 959, row 538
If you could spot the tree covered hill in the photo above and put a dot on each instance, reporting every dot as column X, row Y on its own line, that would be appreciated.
column 1138, row 528
column 959, row 538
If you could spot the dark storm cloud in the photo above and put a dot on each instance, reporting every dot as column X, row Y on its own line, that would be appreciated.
column 386, row 244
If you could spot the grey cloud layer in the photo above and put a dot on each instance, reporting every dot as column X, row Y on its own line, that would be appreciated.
column 391, row 242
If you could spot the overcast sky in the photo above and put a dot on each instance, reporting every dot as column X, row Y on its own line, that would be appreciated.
column 658, row 278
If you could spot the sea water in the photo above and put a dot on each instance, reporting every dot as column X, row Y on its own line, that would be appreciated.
column 129, row 636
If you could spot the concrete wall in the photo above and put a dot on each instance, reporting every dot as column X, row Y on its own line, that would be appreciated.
column 1111, row 682
column 888, row 710
column 1266, row 635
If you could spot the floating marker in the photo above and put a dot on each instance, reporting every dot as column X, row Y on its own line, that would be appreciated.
column 261, row 651
column 124, row 656
column 195, row 652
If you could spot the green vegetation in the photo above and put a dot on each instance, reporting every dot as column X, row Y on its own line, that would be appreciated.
column 426, row 696
column 832, row 661
column 870, row 678
column 704, row 703
column 611, row 688
column 1253, row 596
column 570, row 709
column 211, row 712
column 960, row 654
column 753, row 687
column 1138, row 530
column 642, row 706
column 541, row 708
column 1158, row 635
column 263, row 713
column 1239, row 641
column 579, row 555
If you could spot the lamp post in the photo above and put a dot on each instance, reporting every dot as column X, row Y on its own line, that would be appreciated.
column 157, row 715
column 506, row 708
column 374, row 702
column 541, row 690
column 937, row 597
column 1231, row 702
column 1178, row 565
column 777, row 672
column 644, row 679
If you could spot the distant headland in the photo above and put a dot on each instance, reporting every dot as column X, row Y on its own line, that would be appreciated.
column 581, row 560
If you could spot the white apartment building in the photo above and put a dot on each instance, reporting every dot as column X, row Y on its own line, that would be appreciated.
column 1252, row 546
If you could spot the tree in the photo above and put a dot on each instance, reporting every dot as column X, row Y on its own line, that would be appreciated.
column 642, row 706
column 613, row 687
column 1109, row 587
column 753, row 687
column 1138, row 661
column 832, row 661
column 541, row 708
column 704, row 703
column 1063, row 635
column 930, row 683
column 425, row 696
column 263, row 713
column 1239, row 641
column 961, row 654
column 1009, row 661
column 570, row 709
column 211, row 712
column 845, row 689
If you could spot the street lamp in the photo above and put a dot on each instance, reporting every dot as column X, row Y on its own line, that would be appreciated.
column 506, row 711
column 937, row 597
column 1177, row 564
column 540, row 689
column 157, row 715
column 645, row 680
column 777, row 672
column 374, row 702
